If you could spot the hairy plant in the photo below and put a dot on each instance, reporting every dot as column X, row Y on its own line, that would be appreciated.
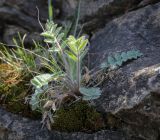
column 68, row 54
column 65, row 84
column 65, row 81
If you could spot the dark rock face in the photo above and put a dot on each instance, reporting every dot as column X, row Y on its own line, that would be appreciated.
column 23, row 16
column 132, row 93
column 23, row 13
column 12, row 31
column 94, row 14
column 14, row 127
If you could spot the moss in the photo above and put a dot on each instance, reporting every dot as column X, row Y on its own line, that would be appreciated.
column 14, row 89
column 78, row 117
column 22, row 109
column 113, row 122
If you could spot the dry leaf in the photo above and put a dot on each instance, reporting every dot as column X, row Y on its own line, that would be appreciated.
column 86, row 75
column 54, row 106
column 48, row 124
column 48, row 104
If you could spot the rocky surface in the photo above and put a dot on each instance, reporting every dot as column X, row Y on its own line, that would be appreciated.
column 94, row 14
column 13, row 127
column 132, row 93
column 23, row 14
column 11, row 31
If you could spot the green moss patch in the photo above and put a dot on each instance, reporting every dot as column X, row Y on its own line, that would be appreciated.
column 78, row 117
column 14, row 88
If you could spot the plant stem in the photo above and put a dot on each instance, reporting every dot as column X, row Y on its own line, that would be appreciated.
column 50, row 10
column 65, row 61
column 78, row 71
column 77, row 18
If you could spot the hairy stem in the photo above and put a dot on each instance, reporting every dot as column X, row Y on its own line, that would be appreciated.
column 64, row 60
column 78, row 71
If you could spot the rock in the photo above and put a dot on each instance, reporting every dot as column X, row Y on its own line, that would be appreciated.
column 29, row 7
column 2, row 2
column 1, row 33
column 132, row 92
column 23, row 15
column 13, row 127
column 146, row 2
column 95, row 14
column 11, row 32
column 16, row 17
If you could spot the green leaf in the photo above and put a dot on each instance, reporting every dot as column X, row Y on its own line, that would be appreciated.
column 47, row 34
column 118, row 59
column 117, row 56
column 111, row 60
column 34, row 102
column 60, row 37
column 83, row 44
column 104, row 65
column 124, row 57
column 119, row 62
column 90, row 93
column 49, row 41
column 35, row 98
column 57, row 32
column 71, row 41
column 83, row 54
column 41, row 80
column 52, row 27
column 73, row 69
column 72, row 56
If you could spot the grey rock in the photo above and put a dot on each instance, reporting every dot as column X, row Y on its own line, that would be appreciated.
column 14, row 16
column 94, row 14
column 22, row 14
column 132, row 92
column 29, row 7
column 13, row 127
column 146, row 2
column 12, row 31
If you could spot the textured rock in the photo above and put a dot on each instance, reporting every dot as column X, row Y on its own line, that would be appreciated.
column 94, row 14
column 13, row 127
column 23, row 16
column 24, row 11
column 12, row 31
column 146, row 2
column 132, row 92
